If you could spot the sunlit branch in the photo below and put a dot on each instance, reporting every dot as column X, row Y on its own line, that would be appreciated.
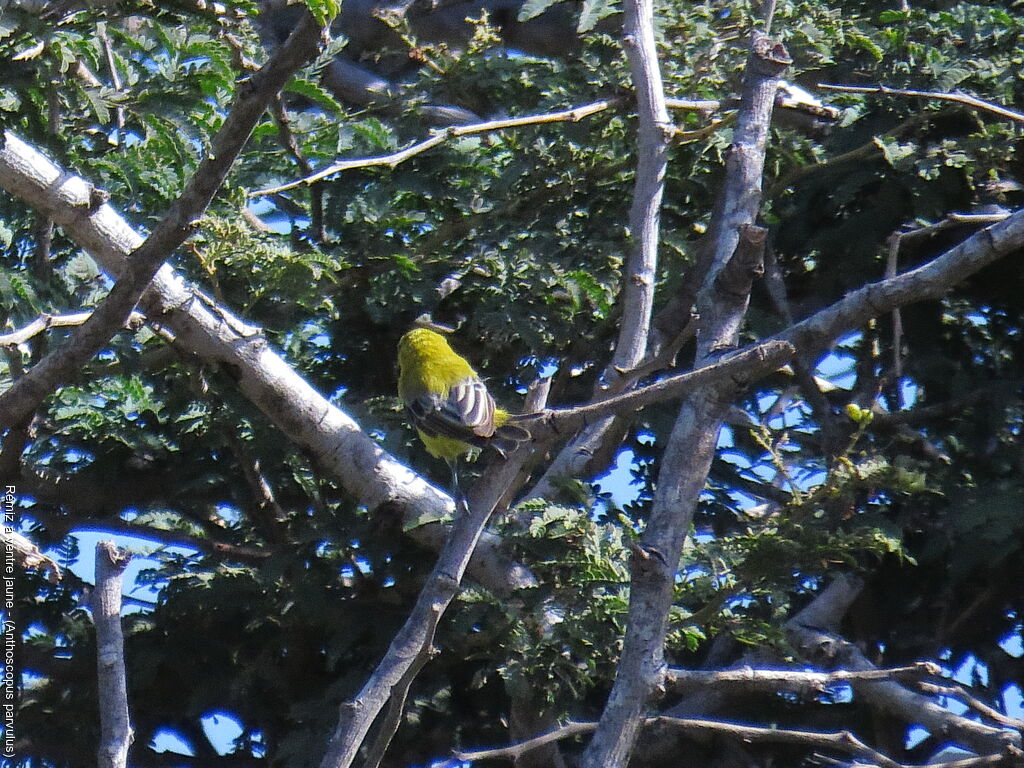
column 45, row 322
column 956, row 97
column 112, row 685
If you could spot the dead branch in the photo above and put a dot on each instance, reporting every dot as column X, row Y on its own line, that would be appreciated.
column 396, row 158
column 691, row 446
column 842, row 741
column 812, row 634
column 751, row 679
column 956, row 97
column 411, row 645
column 115, row 727
column 960, row 693
column 46, row 322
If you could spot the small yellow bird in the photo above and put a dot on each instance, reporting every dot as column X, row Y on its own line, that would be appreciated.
column 447, row 402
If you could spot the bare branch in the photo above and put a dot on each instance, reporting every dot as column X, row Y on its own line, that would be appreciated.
column 842, row 741
column 513, row 752
column 287, row 139
column 115, row 727
column 29, row 554
column 956, row 97
column 654, row 135
column 691, row 447
column 411, row 645
column 740, row 367
column 962, row 694
column 45, row 322
column 396, row 704
column 63, row 524
column 396, row 158
column 929, row 281
column 811, row 632
column 952, row 221
column 750, row 679
column 573, row 115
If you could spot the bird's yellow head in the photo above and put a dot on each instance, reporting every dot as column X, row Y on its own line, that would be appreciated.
column 428, row 364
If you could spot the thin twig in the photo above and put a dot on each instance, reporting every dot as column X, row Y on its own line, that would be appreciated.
column 569, row 115
column 1010, row 756
column 955, row 96
column 961, row 694
column 115, row 76
column 287, row 139
column 62, row 524
column 395, row 158
column 951, row 221
column 891, row 269
column 802, row 366
column 268, row 514
column 842, row 741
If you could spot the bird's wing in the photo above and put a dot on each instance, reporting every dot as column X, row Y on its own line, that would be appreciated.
column 466, row 413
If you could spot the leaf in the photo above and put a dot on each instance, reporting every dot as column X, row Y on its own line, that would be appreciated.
column 314, row 92
column 533, row 8
column 323, row 11
column 867, row 44
column 894, row 152
column 894, row 17
column 593, row 11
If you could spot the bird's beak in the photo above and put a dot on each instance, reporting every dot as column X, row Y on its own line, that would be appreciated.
column 425, row 321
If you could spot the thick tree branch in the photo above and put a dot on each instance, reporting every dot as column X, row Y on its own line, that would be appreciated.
column 687, row 681
column 654, row 135
column 115, row 728
column 140, row 268
column 929, row 281
column 691, row 447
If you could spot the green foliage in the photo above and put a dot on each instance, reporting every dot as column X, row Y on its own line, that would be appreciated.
column 323, row 11
column 565, row 636
column 908, row 474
